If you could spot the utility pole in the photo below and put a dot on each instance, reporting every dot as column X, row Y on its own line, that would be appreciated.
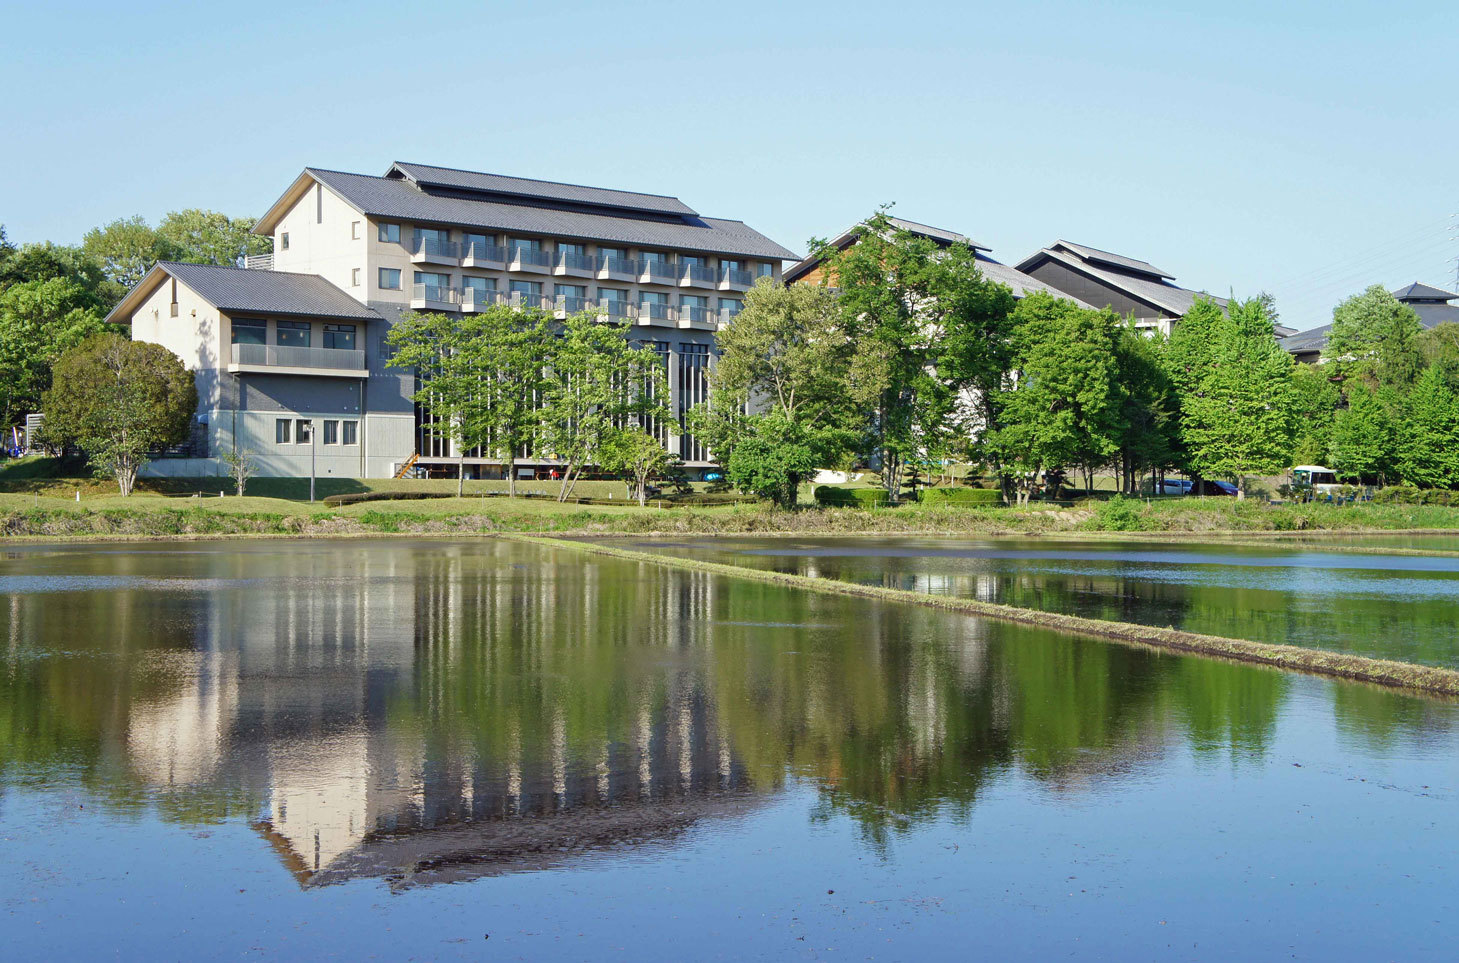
column 312, row 450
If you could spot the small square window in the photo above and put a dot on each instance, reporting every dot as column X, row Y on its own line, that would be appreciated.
column 284, row 241
column 331, row 432
column 351, row 432
column 390, row 279
column 282, row 434
column 390, row 233
column 354, row 277
column 354, row 230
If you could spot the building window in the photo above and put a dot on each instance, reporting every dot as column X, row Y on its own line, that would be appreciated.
column 693, row 390
column 282, row 431
column 390, row 233
column 351, row 432
column 527, row 292
column 607, row 252
column 318, row 203
column 331, row 432
column 284, row 241
column 515, row 244
column 571, row 291
column 173, row 310
column 293, row 334
column 303, row 430
column 354, row 277
column 731, row 306
column 432, row 287
column 354, row 230
column 250, row 331
column 579, row 250
column 390, row 279
column 339, row 336
column 763, row 270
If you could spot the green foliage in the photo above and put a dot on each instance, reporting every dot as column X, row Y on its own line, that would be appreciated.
column 1237, row 415
column 208, row 237
column 771, row 456
column 1314, row 404
column 1150, row 409
column 1364, row 434
column 119, row 400
column 960, row 497
column 126, row 249
column 1439, row 346
column 1428, row 434
column 636, row 455
column 39, row 320
column 1375, row 337
column 832, row 497
column 1118, row 514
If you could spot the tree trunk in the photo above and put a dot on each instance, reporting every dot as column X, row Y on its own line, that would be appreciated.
column 461, row 475
column 510, row 466
column 1240, row 487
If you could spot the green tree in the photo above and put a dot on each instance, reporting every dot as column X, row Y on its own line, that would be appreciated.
column 1237, row 416
column 785, row 357
column 1428, row 439
column 1149, row 417
column 39, row 320
column 208, row 237
column 1066, row 407
column 478, row 375
column 1375, row 337
column 126, row 250
column 635, row 455
column 596, row 381
column 118, row 401
column 1314, row 402
column 1439, row 346
column 1365, row 434
column 913, row 310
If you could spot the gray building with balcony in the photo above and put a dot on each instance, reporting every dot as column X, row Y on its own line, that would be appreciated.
column 298, row 337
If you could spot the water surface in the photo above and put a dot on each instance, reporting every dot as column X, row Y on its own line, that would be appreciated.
column 463, row 749
column 1402, row 607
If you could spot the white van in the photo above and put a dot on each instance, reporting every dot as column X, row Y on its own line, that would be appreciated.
column 1318, row 478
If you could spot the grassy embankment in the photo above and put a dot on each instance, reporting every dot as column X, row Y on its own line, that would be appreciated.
column 32, row 503
column 1384, row 672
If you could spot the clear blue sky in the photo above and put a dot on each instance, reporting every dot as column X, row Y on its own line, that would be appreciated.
column 1308, row 149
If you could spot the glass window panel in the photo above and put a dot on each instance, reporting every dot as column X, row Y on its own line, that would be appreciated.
column 390, row 233
column 282, row 431
column 351, row 432
column 293, row 334
column 340, row 336
column 390, row 279
column 331, row 432
column 250, row 331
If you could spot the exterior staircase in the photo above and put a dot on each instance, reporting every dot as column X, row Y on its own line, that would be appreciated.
column 405, row 469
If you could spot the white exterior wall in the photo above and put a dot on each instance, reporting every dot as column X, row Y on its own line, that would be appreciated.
column 326, row 246
column 195, row 335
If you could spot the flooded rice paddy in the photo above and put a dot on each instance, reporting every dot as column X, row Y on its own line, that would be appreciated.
column 485, row 749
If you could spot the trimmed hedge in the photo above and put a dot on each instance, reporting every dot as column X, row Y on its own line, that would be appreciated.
column 832, row 497
column 355, row 497
column 960, row 496
column 1407, row 495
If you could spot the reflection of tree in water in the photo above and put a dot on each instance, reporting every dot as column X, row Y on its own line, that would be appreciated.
column 450, row 710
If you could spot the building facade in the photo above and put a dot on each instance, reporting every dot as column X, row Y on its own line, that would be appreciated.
column 290, row 353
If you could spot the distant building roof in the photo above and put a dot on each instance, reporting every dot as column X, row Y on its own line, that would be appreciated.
column 1021, row 284
column 492, row 202
column 1431, row 304
column 1138, row 279
column 235, row 290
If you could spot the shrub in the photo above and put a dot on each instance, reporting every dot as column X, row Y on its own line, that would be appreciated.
column 355, row 497
column 961, row 497
column 832, row 497
column 1117, row 514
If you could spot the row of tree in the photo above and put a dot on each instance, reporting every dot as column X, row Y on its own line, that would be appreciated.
column 53, row 297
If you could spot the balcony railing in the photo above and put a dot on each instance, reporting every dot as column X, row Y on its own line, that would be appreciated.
column 481, row 254
column 583, row 265
column 258, row 262
column 423, row 295
column 521, row 301
column 658, row 272
column 615, row 308
column 286, row 356
column 653, row 311
column 618, row 268
column 473, row 299
column 527, row 259
column 434, row 250
column 735, row 279
column 696, row 275
column 569, row 304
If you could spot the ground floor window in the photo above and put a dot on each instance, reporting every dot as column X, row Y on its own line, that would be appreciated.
column 351, row 431
column 331, row 432
column 303, row 429
column 282, row 433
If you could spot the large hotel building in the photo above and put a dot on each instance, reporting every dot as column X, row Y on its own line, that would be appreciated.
column 297, row 338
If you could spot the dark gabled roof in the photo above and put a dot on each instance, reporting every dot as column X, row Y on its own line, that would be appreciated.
column 1423, row 292
column 1152, row 288
column 427, row 175
column 1116, row 261
column 843, row 240
column 397, row 198
column 1305, row 341
column 234, row 290
column 1019, row 283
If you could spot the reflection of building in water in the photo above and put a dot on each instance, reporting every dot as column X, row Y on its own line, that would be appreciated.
column 448, row 727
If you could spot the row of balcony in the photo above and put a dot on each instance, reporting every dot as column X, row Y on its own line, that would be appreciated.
column 345, row 362
column 431, row 297
column 494, row 257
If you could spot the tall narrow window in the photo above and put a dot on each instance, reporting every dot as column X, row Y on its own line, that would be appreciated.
column 282, row 434
column 693, row 390
column 318, row 203
column 354, row 277
column 331, row 432
column 284, row 240
column 173, row 310
column 354, row 230
column 351, row 432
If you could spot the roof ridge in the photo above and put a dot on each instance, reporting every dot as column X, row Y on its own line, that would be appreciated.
column 239, row 267
column 538, row 180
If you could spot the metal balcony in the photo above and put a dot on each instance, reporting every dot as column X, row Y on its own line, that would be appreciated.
column 526, row 259
column 734, row 279
column 429, row 250
column 286, row 359
column 658, row 272
column 475, row 254
column 615, row 310
column 474, row 300
column 696, row 276
column 651, row 311
column 695, row 317
column 575, row 265
column 430, row 297
column 569, row 304
column 258, row 262
column 618, row 269
column 535, row 302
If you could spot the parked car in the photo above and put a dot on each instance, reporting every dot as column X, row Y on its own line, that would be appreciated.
column 1176, row 486
column 1220, row 488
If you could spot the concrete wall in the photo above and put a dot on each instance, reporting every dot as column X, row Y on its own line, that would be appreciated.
column 194, row 335
column 332, row 246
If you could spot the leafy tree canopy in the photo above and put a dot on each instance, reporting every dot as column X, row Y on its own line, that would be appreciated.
column 1375, row 337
